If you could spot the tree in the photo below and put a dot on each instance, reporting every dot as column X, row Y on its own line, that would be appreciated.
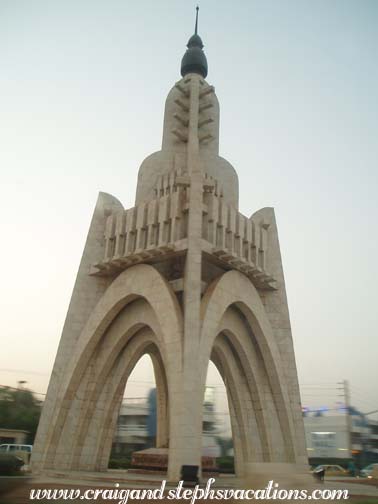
column 225, row 444
column 19, row 409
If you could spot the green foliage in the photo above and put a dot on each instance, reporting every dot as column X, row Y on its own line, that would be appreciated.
column 120, row 463
column 19, row 409
column 225, row 444
column 10, row 464
column 226, row 464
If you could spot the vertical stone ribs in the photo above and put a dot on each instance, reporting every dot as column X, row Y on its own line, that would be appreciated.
column 234, row 239
column 159, row 227
column 181, row 114
column 204, row 118
column 150, row 229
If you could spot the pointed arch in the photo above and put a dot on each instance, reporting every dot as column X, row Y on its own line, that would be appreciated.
column 137, row 314
column 232, row 307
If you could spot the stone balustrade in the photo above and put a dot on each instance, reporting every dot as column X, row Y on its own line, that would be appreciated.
column 158, row 228
column 143, row 232
column 240, row 241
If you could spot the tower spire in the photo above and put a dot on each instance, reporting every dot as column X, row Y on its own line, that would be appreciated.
column 196, row 26
column 194, row 60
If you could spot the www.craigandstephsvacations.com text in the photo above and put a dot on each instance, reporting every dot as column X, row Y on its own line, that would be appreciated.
column 191, row 495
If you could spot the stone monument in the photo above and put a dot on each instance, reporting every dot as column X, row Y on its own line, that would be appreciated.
column 184, row 277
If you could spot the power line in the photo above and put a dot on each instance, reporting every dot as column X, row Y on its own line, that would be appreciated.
column 24, row 371
column 307, row 390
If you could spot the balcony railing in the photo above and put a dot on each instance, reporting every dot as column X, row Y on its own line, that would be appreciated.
column 158, row 228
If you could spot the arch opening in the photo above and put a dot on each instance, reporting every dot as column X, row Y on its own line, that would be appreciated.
column 96, row 399
column 142, row 421
column 254, row 417
column 225, row 359
column 237, row 332
column 217, row 440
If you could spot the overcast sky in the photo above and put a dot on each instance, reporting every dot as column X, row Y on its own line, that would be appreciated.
column 82, row 91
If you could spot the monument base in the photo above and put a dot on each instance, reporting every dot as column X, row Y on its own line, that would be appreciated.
column 155, row 460
column 285, row 475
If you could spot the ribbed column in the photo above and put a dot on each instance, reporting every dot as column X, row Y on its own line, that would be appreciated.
column 189, row 444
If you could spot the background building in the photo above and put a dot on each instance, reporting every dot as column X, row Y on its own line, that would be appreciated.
column 13, row 436
column 373, row 448
column 334, row 436
column 136, row 428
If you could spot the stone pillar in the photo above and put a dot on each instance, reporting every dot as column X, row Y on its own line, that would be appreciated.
column 190, row 428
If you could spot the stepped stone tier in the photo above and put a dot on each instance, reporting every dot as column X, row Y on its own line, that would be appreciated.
column 156, row 459
column 184, row 277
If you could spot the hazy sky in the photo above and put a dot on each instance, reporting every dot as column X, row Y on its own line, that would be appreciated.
column 82, row 91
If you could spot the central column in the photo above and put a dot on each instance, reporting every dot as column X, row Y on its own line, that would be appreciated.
column 190, row 428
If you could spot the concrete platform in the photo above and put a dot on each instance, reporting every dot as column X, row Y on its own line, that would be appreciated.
column 155, row 460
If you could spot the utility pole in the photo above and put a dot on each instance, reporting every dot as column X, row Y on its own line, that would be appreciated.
column 371, row 412
column 346, row 395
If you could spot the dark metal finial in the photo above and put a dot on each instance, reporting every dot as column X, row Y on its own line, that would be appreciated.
column 196, row 27
column 194, row 60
